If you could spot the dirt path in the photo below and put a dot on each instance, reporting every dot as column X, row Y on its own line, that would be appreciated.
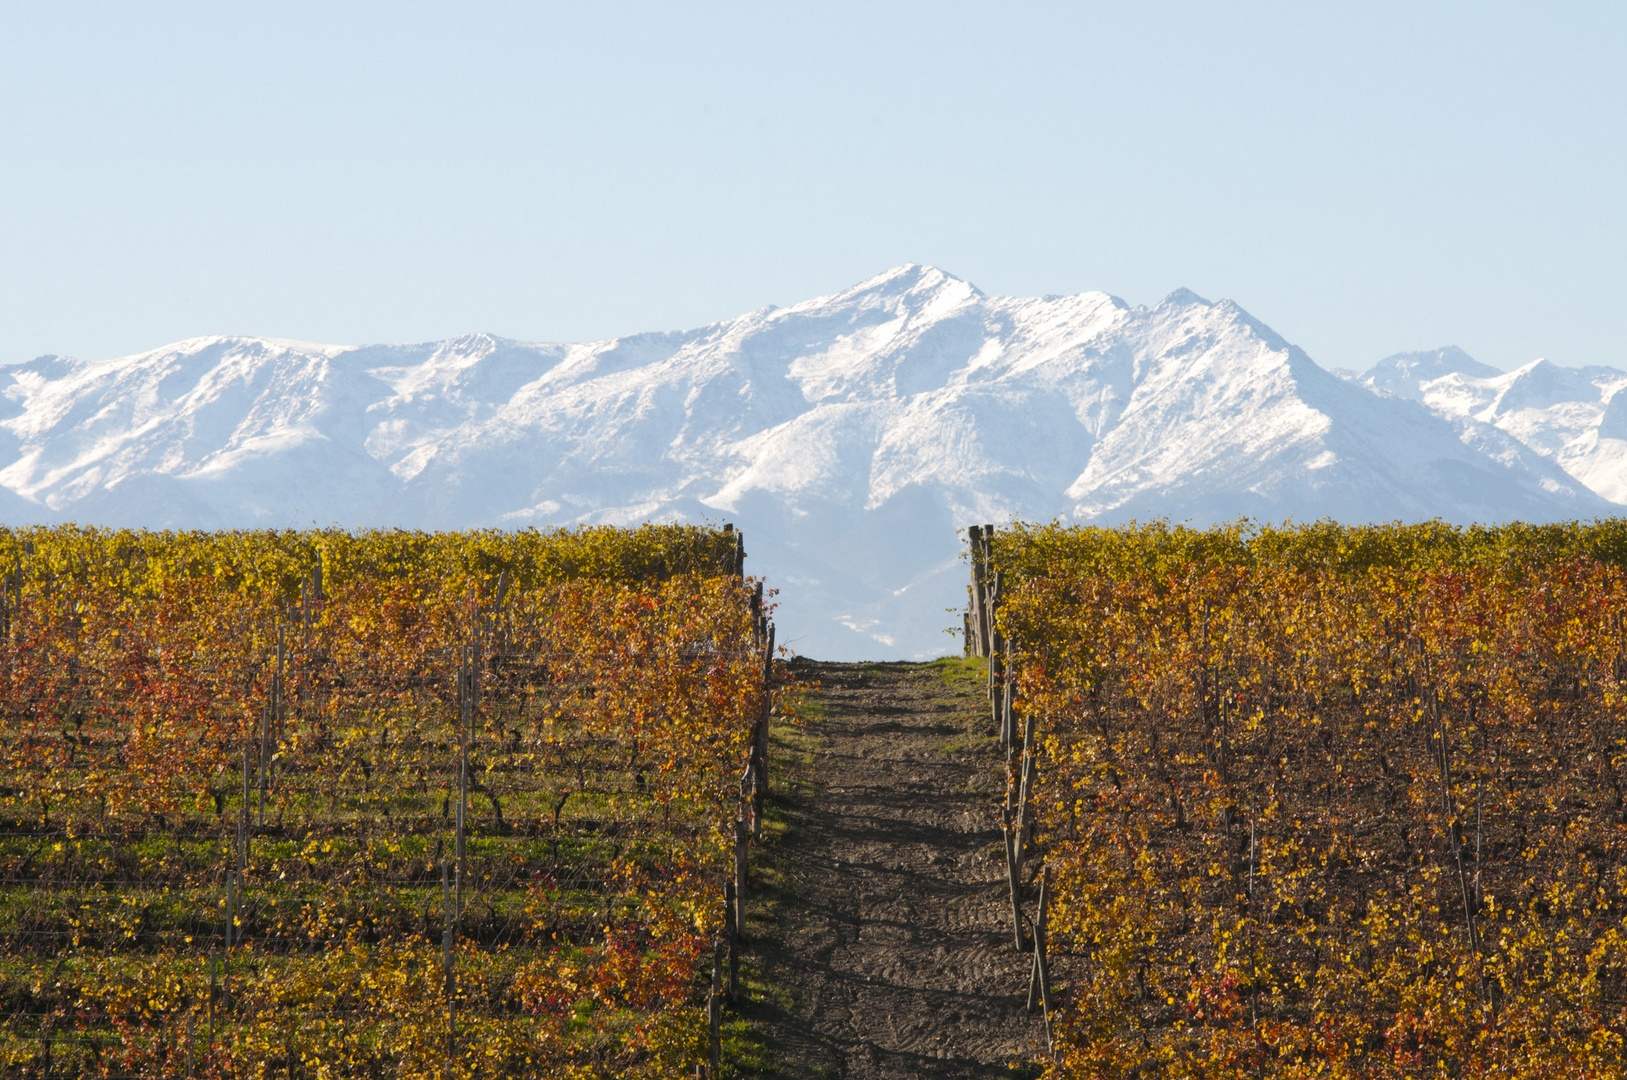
column 887, row 949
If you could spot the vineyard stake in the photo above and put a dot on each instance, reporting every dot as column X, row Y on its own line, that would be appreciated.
column 991, row 679
column 1008, row 718
column 1039, row 982
column 226, row 958
column 448, row 934
column 731, row 930
column 740, row 878
column 1454, row 827
column 1251, row 820
column 760, row 739
column 279, row 720
column 463, row 800
column 474, row 676
column 265, row 737
column 1479, row 805
column 974, row 642
column 714, row 1010
column 243, row 816
column 754, row 801
column 447, row 928
column 1025, row 780
column 1042, row 962
column 980, row 613
column 1011, row 877
column 991, row 594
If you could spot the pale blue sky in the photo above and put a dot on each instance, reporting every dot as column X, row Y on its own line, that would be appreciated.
column 1366, row 178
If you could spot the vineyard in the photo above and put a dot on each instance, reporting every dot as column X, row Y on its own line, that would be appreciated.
column 1317, row 801
column 372, row 804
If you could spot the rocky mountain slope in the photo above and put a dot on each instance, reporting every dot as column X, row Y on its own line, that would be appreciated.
column 849, row 436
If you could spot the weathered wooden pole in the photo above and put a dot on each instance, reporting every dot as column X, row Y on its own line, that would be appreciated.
column 731, row 931
column 974, row 539
column 1012, row 872
column 714, row 1012
column 740, row 838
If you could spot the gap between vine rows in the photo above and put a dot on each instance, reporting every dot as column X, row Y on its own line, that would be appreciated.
column 881, row 923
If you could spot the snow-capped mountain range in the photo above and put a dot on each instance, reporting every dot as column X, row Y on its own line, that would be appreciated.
column 850, row 436
column 1575, row 417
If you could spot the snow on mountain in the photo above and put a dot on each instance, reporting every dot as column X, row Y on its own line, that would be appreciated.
column 1404, row 374
column 1575, row 417
column 850, row 436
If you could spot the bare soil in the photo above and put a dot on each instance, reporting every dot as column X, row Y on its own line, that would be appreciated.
column 882, row 939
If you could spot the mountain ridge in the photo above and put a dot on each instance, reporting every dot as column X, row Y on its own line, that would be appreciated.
column 849, row 435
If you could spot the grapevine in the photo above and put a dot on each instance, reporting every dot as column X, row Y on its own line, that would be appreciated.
column 1328, row 801
column 232, row 767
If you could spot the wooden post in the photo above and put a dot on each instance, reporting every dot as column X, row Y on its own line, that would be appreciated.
column 1011, row 725
column 265, row 757
column 990, row 596
column 1005, row 707
column 226, row 959
column 1001, row 703
column 1025, row 779
column 991, row 670
column 754, row 801
column 1025, row 783
column 714, row 1011
column 1038, row 988
column 448, row 931
column 463, row 802
column 279, row 718
column 1453, row 826
column 760, row 733
column 732, row 931
column 1039, row 983
column 474, row 681
column 243, row 816
column 1251, row 838
column 448, row 940
column 997, row 642
column 1043, row 950
column 1479, row 822
column 1012, row 871
column 974, row 539
column 740, row 879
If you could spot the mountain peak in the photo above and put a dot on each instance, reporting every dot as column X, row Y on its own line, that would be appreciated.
column 1404, row 374
column 913, row 277
column 1434, row 363
column 1183, row 297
